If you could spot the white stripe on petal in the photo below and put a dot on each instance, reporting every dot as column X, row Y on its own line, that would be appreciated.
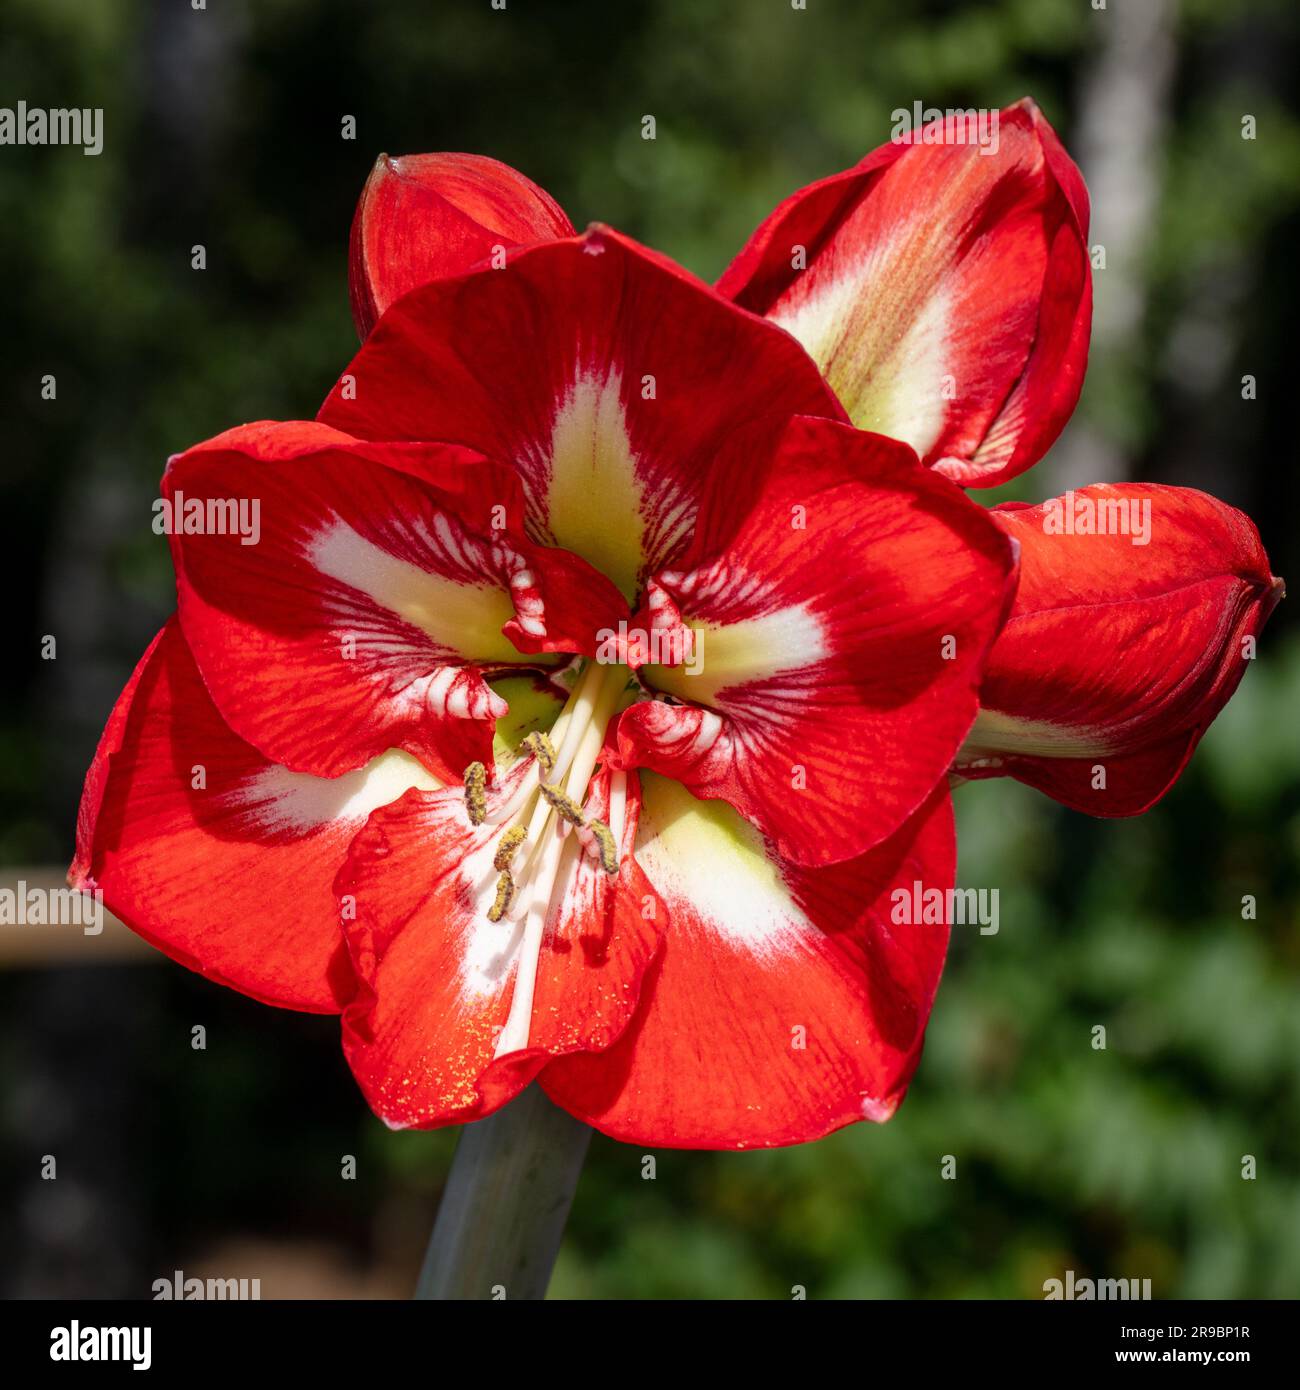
column 890, row 383
column 279, row 800
column 462, row 616
column 733, row 653
column 593, row 498
column 704, row 853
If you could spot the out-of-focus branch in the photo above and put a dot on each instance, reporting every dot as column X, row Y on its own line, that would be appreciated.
column 27, row 945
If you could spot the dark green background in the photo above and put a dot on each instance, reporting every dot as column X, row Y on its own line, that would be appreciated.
column 223, row 128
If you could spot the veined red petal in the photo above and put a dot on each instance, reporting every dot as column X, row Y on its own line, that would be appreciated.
column 786, row 1002
column 423, row 217
column 221, row 859
column 839, row 636
column 943, row 286
column 624, row 390
column 1135, row 618
column 360, row 614
column 427, row 1035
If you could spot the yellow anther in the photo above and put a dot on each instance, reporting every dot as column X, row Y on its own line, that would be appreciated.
column 505, row 895
column 476, row 793
column 510, row 841
column 540, row 746
column 565, row 806
column 605, row 842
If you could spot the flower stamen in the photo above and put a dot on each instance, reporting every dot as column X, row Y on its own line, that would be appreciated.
column 505, row 896
column 540, row 746
column 510, row 841
column 476, row 793
column 607, row 849
column 535, row 855
column 564, row 805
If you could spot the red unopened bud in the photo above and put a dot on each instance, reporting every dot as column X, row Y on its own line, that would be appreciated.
column 424, row 217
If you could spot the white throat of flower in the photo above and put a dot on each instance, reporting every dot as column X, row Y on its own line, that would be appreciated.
column 546, row 827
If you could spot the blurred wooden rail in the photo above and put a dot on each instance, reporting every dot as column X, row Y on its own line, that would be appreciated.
column 32, row 947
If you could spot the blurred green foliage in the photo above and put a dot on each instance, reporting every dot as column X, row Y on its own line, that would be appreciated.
column 223, row 128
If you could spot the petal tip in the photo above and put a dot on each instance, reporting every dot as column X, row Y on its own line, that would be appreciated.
column 878, row 1111
column 596, row 239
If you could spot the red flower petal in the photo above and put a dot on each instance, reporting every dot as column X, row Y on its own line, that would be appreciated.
column 422, row 217
column 841, row 633
column 359, row 619
column 947, row 291
column 233, row 877
column 439, row 978
column 1117, row 656
column 622, row 389
column 785, row 1003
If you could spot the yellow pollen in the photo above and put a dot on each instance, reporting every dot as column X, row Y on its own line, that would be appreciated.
column 510, row 841
column 565, row 806
column 605, row 840
column 505, row 895
column 476, row 793
column 540, row 746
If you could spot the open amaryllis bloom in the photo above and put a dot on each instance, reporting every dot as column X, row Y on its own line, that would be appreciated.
column 589, row 692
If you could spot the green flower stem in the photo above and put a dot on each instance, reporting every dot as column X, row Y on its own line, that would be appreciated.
column 507, row 1198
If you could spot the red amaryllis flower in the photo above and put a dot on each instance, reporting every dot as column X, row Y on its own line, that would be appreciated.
column 943, row 287
column 592, row 685
column 945, row 294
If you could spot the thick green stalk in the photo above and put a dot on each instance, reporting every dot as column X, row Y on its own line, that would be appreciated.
column 507, row 1198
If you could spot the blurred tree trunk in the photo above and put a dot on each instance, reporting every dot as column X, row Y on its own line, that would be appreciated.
column 1119, row 142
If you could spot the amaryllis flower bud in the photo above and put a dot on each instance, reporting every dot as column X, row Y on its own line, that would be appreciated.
column 1136, row 616
column 425, row 216
column 943, row 287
